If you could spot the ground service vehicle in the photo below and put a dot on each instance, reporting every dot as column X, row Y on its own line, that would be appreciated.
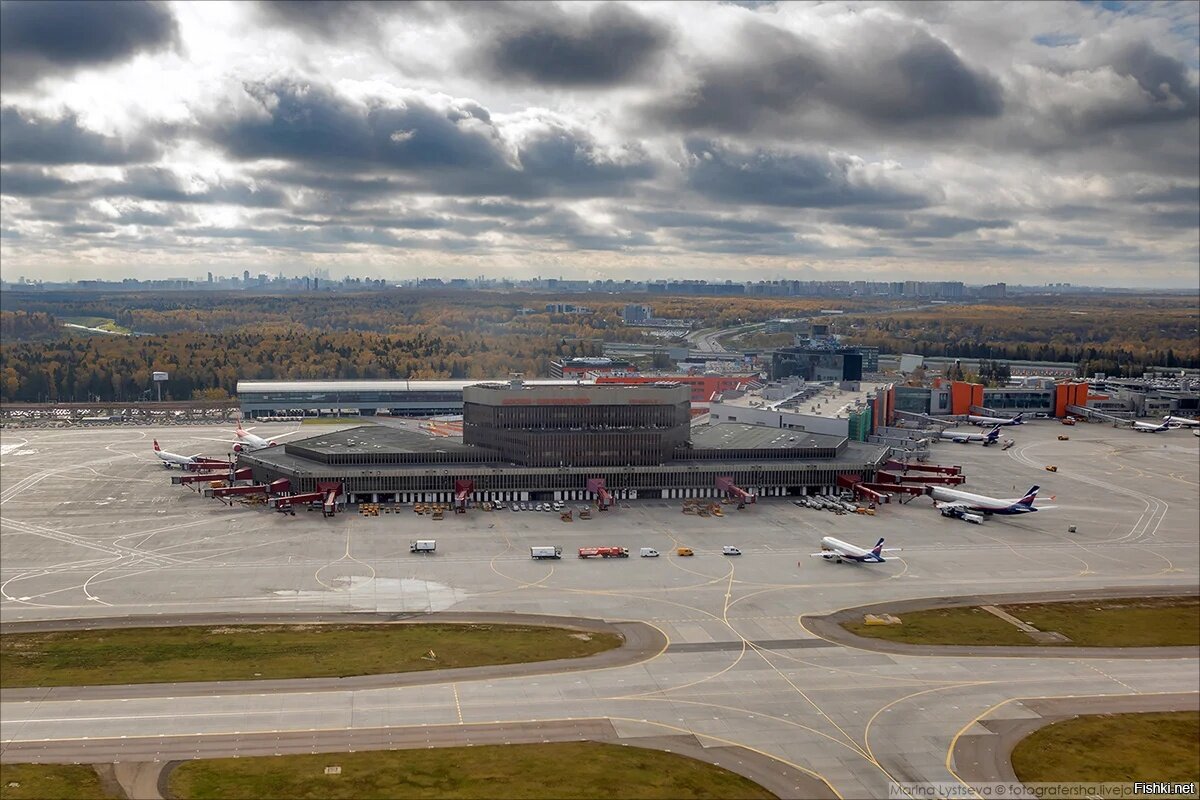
column 1064, row 438
column 648, row 552
column 539, row 552
column 422, row 546
column 974, row 519
column 730, row 550
column 1051, row 468
column 684, row 551
column 603, row 552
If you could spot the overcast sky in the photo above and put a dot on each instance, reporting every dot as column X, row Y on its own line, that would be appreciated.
column 982, row 141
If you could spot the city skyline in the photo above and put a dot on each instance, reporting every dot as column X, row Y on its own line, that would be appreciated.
column 984, row 143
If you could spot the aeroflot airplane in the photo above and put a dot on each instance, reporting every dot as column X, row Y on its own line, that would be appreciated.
column 965, row 438
column 838, row 551
column 1017, row 420
column 944, row 498
column 175, row 459
column 1181, row 422
column 1146, row 427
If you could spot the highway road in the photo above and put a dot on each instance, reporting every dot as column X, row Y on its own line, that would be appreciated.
column 91, row 529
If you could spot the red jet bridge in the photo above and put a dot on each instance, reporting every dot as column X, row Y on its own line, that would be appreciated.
column 243, row 474
column 900, row 466
column 881, row 491
column 206, row 463
column 603, row 496
column 326, row 494
column 727, row 486
column 275, row 487
column 462, row 493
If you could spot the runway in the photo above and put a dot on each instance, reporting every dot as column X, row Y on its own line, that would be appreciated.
column 117, row 541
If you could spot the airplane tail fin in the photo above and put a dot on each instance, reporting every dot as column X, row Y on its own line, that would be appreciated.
column 1019, row 417
column 1030, row 496
column 877, row 550
column 156, row 447
column 993, row 434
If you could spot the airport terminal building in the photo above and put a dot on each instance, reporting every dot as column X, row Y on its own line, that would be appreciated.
column 550, row 442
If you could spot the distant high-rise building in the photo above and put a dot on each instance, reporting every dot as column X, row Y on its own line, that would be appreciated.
column 634, row 313
column 210, row 280
column 246, row 276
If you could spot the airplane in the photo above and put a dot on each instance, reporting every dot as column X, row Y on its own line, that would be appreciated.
column 838, row 551
column 1019, row 419
column 1181, row 422
column 1146, row 427
column 952, row 501
column 991, row 437
column 248, row 442
column 170, row 459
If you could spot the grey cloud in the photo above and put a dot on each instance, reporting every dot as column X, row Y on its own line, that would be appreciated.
column 29, row 139
column 40, row 38
column 331, row 19
column 568, row 227
column 610, row 45
column 797, row 180
column 305, row 122
column 900, row 75
column 33, row 182
column 688, row 219
column 457, row 150
column 489, row 207
column 163, row 185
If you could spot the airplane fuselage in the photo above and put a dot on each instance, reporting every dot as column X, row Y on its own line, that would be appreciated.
column 979, row 502
column 993, row 421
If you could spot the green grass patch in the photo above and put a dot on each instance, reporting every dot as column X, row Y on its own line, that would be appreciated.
column 558, row 771
column 1126, row 622
column 245, row 652
column 51, row 782
column 967, row 626
column 1113, row 747
column 1130, row 622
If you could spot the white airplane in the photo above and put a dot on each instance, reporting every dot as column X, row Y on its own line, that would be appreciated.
column 953, row 501
column 962, row 437
column 1181, row 422
column 175, row 459
column 1147, row 427
column 1019, row 419
column 247, row 442
column 838, row 551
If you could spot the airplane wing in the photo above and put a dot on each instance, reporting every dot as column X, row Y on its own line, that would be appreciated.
column 828, row 553
column 955, row 504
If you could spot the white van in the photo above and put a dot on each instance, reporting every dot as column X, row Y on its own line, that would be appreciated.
column 648, row 552
column 730, row 550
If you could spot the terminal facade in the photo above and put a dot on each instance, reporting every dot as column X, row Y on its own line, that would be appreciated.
column 526, row 441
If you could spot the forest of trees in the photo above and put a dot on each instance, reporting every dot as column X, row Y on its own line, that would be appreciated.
column 208, row 341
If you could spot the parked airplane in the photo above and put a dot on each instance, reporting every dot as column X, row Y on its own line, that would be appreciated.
column 1181, row 422
column 1019, row 419
column 962, row 437
column 174, row 459
column 1146, row 427
column 838, row 551
column 952, row 500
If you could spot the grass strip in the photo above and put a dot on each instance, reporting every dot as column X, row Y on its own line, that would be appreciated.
column 556, row 771
column 49, row 781
column 1113, row 747
column 1124, row 622
column 262, row 652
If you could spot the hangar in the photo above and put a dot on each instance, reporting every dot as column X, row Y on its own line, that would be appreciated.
column 567, row 442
